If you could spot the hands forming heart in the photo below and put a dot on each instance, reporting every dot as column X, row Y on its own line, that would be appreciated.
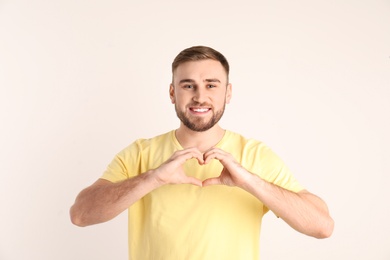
column 171, row 171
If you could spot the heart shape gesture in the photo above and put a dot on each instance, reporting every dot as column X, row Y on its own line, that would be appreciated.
column 233, row 174
column 171, row 171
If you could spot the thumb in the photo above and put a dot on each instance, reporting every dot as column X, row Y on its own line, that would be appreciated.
column 194, row 181
column 211, row 181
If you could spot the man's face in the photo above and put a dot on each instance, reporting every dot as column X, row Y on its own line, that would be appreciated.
column 200, row 91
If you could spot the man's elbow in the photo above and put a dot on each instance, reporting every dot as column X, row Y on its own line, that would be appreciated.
column 326, row 229
column 76, row 218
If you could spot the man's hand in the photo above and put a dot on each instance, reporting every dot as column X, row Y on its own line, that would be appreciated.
column 171, row 171
column 303, row 211
column 233, row 174
column 104, row 200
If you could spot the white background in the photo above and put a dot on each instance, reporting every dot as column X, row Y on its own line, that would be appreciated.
column 80, row 80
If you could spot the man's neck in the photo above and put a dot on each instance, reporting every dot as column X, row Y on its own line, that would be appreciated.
column 201, row 140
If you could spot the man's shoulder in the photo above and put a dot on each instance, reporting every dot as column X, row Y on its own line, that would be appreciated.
column 161, row 138
column 146, row 142
column 146, row 146
column 234, row 138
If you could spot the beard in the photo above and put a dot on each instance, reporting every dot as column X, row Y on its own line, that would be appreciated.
column 199, row 124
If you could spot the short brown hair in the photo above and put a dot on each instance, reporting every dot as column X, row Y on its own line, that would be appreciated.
column 197, row 53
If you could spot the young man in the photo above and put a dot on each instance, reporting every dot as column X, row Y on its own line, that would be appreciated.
column 199, row 192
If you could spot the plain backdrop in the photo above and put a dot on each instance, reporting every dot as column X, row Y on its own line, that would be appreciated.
column 80, row 80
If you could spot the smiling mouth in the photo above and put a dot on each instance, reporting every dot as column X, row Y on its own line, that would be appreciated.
column 200, row 110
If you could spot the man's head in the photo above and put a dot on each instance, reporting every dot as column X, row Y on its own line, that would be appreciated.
column 200, row 87
column 198, row 53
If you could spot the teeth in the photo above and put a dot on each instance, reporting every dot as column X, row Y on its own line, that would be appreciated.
column 200, row 110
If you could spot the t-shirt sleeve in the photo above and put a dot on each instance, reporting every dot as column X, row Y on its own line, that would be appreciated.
column 124, row 165
column 274, row 170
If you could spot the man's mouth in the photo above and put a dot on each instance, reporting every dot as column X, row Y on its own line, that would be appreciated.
column 199, row 110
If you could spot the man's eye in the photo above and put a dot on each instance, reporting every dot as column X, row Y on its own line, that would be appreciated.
column 189, row 86
column 211, row 86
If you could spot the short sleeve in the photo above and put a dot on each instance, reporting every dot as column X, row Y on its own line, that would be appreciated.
column 274, row 170
column 125, row 164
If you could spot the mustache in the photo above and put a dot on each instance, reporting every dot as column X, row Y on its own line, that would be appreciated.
column 197, row 104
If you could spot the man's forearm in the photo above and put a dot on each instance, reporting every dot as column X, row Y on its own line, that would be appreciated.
column 104, row 200
column 303, row 211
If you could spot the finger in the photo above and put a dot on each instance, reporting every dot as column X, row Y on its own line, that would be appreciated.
column 194, row 181
column 187, row 154
column 186, row 151
column 199, row 157
column 213, row 149
column 215, row 153
column 211, row 181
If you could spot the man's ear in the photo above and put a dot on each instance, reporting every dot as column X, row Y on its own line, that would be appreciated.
column 228, row 93
column 172, row 94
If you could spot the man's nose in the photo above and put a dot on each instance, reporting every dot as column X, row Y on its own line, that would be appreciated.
column 200, row 95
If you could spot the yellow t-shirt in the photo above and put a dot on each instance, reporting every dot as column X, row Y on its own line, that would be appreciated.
column 185, row 222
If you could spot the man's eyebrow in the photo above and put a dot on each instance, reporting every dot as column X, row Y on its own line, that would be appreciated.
column 186, row 81
column 193, row 81
column 213, row 80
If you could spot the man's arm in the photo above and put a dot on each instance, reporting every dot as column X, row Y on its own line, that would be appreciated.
column 104, row 200
column 303, row 211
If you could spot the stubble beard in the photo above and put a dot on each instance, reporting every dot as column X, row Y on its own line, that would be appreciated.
column 199, row 124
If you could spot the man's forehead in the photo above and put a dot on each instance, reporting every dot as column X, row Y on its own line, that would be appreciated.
column 202, row 69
